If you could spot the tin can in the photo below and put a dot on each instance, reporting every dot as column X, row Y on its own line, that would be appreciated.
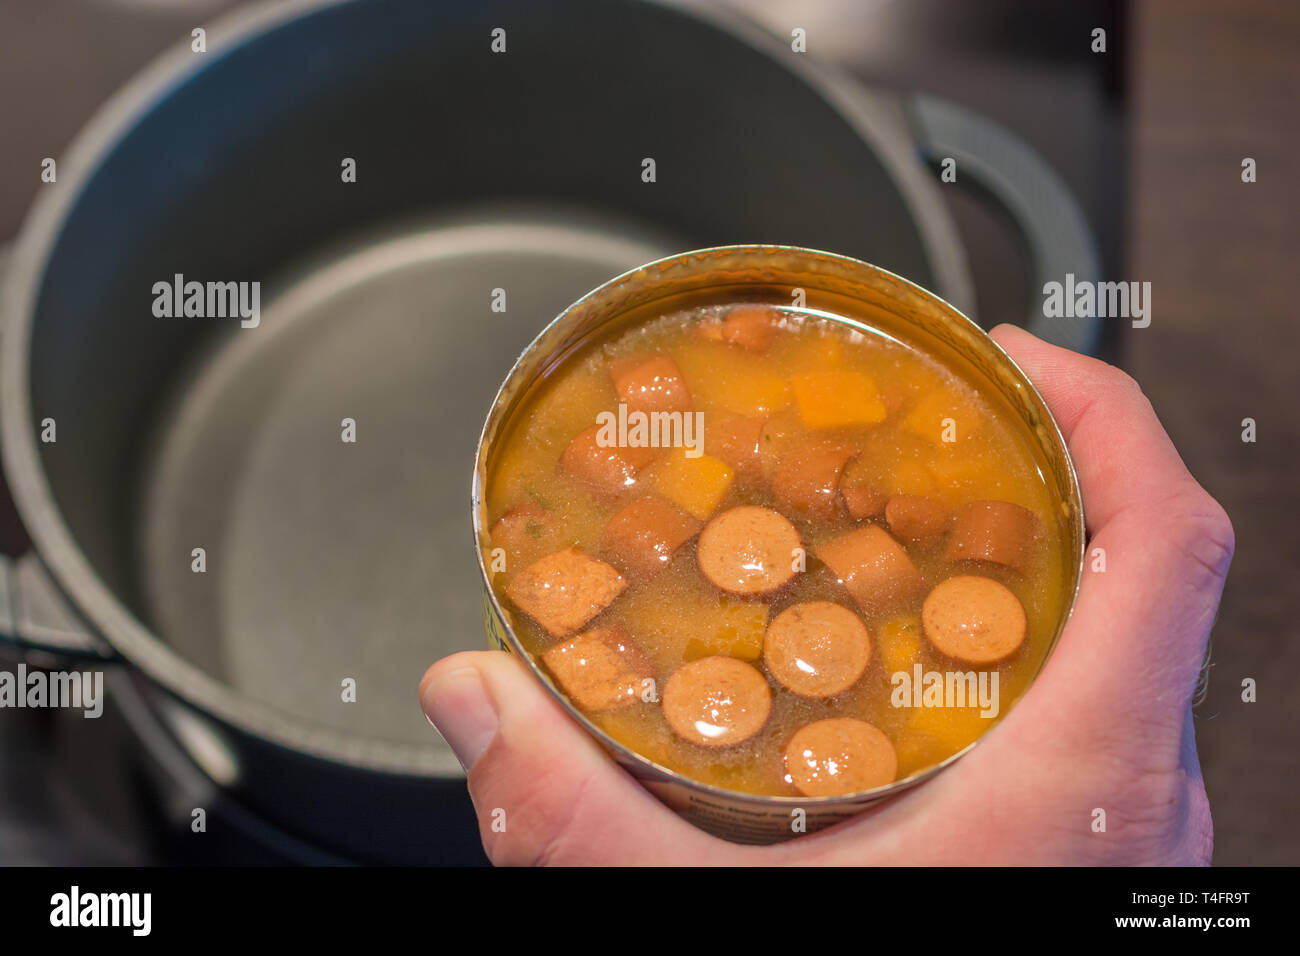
column 841, row 288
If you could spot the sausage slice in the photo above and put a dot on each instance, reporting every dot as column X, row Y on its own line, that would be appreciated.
column 862, row 501
column 817, row 649
column 565, row 590
column 521, row 526
column 873, row 566
column 642, row 537
column 608, row 470
column 655, row 385
column 716, row 701
column 994, row 531
column 839, row 755
column 806, row 481
column 735, row 439
column 973, row 619
column 599, row 670
column 917, row 518
column 750, row 327
column 861, row 497
column 748, row 550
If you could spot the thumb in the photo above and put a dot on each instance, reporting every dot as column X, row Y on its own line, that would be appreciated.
column 544, row 790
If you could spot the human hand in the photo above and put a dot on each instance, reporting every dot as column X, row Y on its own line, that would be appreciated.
column 1107, row 724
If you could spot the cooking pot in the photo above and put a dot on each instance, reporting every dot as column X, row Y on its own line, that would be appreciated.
column 259, row 515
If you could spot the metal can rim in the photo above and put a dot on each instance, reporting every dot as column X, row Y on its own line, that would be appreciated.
column 703, row 256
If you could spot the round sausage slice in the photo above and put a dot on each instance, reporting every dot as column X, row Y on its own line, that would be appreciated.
column 817, row 649
column 716, row 701
column 748, row 550
column 973, row 619
column 839, row 755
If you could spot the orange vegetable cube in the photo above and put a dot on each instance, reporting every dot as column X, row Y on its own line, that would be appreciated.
column 840, row 398
column 942, row 417
column 696, row 485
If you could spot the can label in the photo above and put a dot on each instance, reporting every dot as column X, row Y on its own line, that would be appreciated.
column 493, row 625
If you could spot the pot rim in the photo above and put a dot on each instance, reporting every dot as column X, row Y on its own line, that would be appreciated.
column 111, row 125
column 643, row 766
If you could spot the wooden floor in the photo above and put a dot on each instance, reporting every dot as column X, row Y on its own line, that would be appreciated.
column 1217, row 81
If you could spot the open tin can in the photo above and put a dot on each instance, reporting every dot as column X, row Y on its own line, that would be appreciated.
column 848, row 291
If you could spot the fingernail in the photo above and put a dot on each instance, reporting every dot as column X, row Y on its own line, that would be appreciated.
column 457, row 704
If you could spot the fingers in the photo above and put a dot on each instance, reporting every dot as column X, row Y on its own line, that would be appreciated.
column 1121, row 452
column 1156, row 561
column 544, row 790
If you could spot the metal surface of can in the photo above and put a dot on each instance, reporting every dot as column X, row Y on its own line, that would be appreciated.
column 843, row 289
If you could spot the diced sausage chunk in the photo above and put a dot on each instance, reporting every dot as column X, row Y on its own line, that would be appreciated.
column 873, row 567
column 599, row 670
column 807, row 479
column 839, row 755
column 817, row 649
column 863, row 501
column 607, row 470
column 780, row 433
column 862, row 498
column 565, row 590
column 521, row 527
column 716, row 701
column 748, row 550
column 973, row 619
column 994, row 531
column 748, row 326
column 917, row 518
column 642, row 536
column 654, row 385
column 735, row 439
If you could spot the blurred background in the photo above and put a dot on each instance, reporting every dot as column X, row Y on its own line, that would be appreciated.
column 1149, row 138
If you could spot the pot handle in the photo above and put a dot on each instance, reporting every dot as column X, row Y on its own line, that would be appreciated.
column 1032, row 193
column 34, row 615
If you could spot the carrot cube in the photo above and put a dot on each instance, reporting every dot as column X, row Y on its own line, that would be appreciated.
column 696, row 485
column 840, row 398
column 942, row 417
column 900, row 644
column 733, row 627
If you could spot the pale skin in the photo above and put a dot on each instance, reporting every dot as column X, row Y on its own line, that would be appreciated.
column 1108, row 724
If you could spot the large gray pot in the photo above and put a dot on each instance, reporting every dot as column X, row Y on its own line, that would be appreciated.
column 476, row 171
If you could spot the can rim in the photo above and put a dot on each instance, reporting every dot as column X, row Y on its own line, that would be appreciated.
column 860, row 798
